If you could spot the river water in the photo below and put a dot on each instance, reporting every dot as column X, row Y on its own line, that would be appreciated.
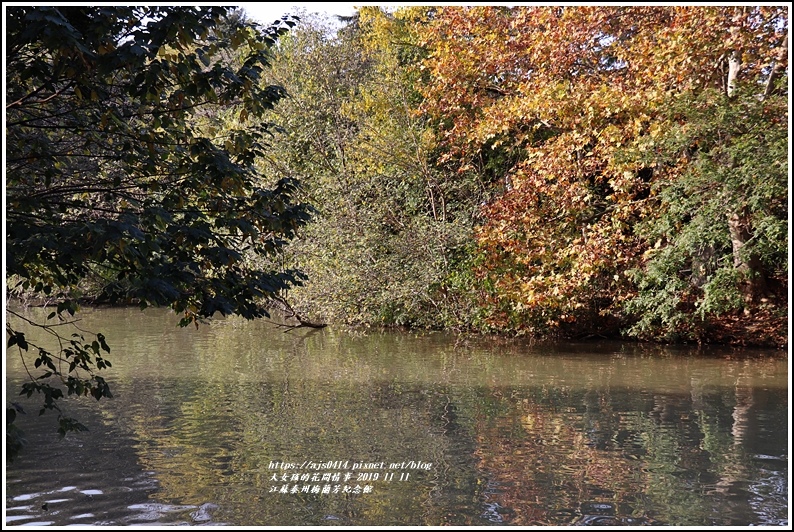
column 245, row 423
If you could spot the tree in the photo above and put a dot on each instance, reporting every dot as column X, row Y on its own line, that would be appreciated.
column 536, row 101
column 390, row 227
column 717, row 242
column 119, row 188
column 568, row 108
column 717, row 236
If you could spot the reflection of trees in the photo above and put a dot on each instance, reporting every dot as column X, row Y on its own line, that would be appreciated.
column 514, row 439
column 552, row 453
column 612, row 456
column 252, row 407
column 746, row 454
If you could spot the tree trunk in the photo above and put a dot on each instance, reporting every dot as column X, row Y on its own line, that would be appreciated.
column 777, row 68
column 749, row 264
column 734, row 66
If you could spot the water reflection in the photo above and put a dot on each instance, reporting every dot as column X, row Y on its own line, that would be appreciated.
column 517, row 434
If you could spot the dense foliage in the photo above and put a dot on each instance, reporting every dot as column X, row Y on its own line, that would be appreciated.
column 118, row 188
column 391, row 230
column 645, row 153
column 574, row 171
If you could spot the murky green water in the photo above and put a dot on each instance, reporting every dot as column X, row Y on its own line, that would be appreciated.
column 239, row 423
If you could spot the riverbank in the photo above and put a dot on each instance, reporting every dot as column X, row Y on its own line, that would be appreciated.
column 762, row 325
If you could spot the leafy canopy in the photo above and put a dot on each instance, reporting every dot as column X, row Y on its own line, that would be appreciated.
column 118, row 185
column 572, row 108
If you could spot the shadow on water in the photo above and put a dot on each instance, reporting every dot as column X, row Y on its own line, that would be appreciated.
column 240, row 424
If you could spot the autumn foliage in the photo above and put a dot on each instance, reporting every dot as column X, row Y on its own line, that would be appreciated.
column 567, row 111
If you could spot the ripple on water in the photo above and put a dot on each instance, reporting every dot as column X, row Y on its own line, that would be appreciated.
column 203, row 513
column 26, row 497
column 155, row 511
column 19, row 509
column 75, row 505
column 13, row 518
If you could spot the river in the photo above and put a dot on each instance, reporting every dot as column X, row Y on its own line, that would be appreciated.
column 245, row 423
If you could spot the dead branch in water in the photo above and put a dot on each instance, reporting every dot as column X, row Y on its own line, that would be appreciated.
column 290, row 312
